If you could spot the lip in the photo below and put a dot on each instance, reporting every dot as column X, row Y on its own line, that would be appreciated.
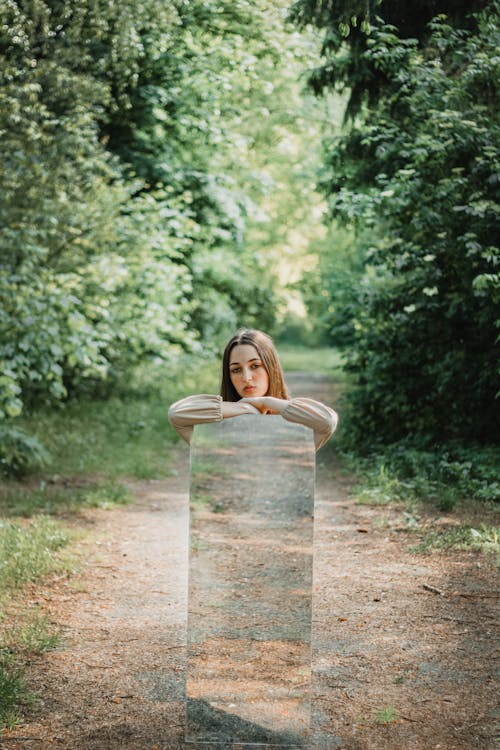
column 249, row 388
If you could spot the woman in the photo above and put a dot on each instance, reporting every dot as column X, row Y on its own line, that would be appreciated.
column 252, row 383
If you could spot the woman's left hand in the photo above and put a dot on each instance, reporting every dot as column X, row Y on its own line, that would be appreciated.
column 267, row 403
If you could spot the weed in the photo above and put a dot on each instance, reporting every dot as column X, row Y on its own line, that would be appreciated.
column 387, row 715
column 20, row 452
column 218, row 508
column 380, row 488
column 484, row 539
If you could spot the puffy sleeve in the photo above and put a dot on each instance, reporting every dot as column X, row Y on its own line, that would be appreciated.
column 320, row 418
column 187, row 412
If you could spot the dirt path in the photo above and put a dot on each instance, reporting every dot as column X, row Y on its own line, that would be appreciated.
column 383, row 642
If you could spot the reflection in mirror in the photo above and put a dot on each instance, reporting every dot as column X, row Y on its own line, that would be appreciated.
column 250, row 583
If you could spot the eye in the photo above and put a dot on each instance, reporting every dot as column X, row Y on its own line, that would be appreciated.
column 255, row 366
column 235, row 370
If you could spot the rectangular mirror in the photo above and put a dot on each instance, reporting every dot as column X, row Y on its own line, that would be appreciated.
column 250, row 583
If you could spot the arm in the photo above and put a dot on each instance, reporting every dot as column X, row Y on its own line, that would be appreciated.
column 319, row 417
column 202, row 408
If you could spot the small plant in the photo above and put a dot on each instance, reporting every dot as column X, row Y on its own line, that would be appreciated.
column 387, row 715
column 13, row 692
column 34, row 636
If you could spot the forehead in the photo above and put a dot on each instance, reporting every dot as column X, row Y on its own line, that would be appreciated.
column 242, row 353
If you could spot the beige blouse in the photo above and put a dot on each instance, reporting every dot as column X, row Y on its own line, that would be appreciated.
column 205, row 407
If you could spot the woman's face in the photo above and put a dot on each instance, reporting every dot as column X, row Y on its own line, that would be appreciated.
column 247, row 371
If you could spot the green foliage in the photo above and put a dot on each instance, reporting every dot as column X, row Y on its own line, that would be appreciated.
column 445, row 475
column 331, row 288
column 82, row 286
column 416, row 174
column 351, row 26
column 20, row 453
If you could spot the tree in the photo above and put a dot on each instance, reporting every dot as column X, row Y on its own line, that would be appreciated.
column 350, row 27
column 76, row 266
column 415, row 171
column 128, row 183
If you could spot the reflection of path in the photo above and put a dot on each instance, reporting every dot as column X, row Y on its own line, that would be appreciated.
column 380, row 639
column 249, row 629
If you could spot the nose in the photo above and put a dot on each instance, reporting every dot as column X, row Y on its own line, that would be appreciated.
column 247, row 374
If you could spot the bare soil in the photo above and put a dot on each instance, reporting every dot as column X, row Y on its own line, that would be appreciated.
column 404, row 644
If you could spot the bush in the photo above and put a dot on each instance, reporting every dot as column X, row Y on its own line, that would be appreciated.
column 442, row 474
column 20, row 453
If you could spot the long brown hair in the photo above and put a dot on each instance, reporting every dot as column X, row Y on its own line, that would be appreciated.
column 267, row 353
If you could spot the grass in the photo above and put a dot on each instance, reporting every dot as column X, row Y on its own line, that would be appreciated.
column 450, row 479
column 484, row 539
column 124, row 435
column 443, row 476
column 33, row 635
column 57, row 497
column 15, row 697
column 116, row 438
column 30, row 551
column 324, row 361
